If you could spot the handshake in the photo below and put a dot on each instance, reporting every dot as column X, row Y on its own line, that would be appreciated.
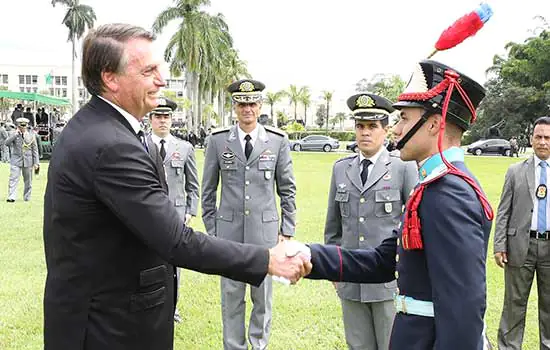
column 289, row 261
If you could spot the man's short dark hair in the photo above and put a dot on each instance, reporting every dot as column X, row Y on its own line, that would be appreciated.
column 542, row 120
column 103, row 51
column 383, row 122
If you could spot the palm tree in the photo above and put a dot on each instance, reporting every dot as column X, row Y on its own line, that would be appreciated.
column 197, row 47
column 327, row 96
column 271, row 98
column 77, row 18
column 305, row 99
column 293, row 94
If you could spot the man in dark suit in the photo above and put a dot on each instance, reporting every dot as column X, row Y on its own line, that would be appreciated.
column 111, row 235
column 438, row 259
column 522, row 241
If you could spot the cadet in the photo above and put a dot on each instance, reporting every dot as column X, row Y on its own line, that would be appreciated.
column 250, row 159
column 24, row 157
column 442, row 249
column 366, row 196
column 180, row 167
column 4, row 151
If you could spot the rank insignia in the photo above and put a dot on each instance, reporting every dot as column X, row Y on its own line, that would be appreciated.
column 228, row 155
column 176, row 155
column 387, row 177
column 364, row 101
column 388, row 207
column 341, row 186
column 541, row 191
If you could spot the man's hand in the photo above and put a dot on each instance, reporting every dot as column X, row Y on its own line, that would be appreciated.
column 288, row 261
column 501, row 258
column 36, row 166
column 188, row 218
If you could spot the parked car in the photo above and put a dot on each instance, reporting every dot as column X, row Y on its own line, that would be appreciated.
column 498, row 146
column 315, row 143
column 352, row 146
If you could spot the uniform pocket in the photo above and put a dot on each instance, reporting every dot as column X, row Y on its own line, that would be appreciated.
column 151, row 276
column 342, row 198
column 179, row 201
column 270, row 223
column 387, row 202
column 143, row 301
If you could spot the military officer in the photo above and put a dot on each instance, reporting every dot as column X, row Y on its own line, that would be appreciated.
column 180, row 167
column 24, row 158
column 367, row 192
column 4, row 151
column 250, row 159
column 442, row 247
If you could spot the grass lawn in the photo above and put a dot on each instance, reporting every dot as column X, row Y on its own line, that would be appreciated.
column 306, row 316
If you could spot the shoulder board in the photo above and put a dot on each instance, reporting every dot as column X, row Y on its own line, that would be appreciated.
column 275, row 130
column 395, row 153
column 350, row 157
column 218, row 131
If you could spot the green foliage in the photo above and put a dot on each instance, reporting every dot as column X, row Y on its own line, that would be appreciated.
column 77, row 17
column 282, row 119
column 294, row 127
column 321, row 115
column 386, row 85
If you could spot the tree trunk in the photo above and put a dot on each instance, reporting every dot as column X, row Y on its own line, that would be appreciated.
column 221, row 108
column 305, row 116
column 295, row 114
column 189, row 84
column 196, row 102
column 326, row 127
column 273, row 120
column 74, row 80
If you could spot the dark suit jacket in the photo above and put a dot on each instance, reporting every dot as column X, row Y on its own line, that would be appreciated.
column 112, row 237
column 449, row 271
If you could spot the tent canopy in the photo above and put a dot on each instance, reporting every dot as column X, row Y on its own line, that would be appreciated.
column 30, row 96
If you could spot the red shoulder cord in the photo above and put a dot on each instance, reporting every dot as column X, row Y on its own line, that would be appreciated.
column 411, row 235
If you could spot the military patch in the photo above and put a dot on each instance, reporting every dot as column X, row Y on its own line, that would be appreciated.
column 365, row 101
column 228, row 155
column 341, row 187
column 267, row 174
column 387, row 177
column 176, row 155
column 388, row 207
column 541, row 191
column 246, row 86
column 268, row 156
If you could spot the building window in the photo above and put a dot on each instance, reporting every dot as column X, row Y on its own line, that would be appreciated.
column 51, row 91
column 35, row 90
column 28, row 79
column 22, row 89
column 35, row 79
column 64, row 81
column 28, row 89
column 64, row 92
column 21, row 79
column 179, row 93
column 4, row 78
column 57, row 92
column 57, row 80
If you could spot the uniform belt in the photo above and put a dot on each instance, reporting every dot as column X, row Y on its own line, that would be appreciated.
column 411, row 306
column 540, row 235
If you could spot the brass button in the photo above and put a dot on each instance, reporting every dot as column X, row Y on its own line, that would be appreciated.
column 397, row 291
column 247, row 167
column 396, row 274
column 361, row 238
column 397, row 258
column 246, row 212
column 361, row 219
column 247, row 197
column 247, row 182
column 398, row 241
column 362, row 200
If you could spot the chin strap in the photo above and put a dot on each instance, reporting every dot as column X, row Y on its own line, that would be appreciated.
column 411, row 235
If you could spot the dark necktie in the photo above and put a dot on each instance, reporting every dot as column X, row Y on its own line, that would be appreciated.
column 142, row 139
column 365, row 172
column 247, row 146
column 162, row 149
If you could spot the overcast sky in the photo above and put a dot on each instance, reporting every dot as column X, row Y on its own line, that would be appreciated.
column 326, row 45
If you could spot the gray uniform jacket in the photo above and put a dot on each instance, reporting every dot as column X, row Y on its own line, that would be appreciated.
column 24, row 150
column 363, row 216
column 247, row 211
column 181, row 175
column 3, row 135
column 515, row 211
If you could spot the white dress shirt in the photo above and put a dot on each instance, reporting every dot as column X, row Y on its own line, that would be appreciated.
column 253, row 136
column 373, row 160
column 134, row 123
column 156, row 139
column 534, row 217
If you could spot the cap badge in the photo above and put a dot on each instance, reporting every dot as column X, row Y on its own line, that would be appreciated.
column 161, row 102
column 246, row 86
column 364, row 101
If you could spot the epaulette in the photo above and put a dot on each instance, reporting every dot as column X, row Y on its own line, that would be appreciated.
column 275, row 130
column 395, row 153
column 218, row 131
column 351, row 156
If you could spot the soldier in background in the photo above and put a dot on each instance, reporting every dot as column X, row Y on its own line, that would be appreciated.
column 180, row 168
column 4, row 151
column 249, row 160
column 24, row 158
column 56, row 132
